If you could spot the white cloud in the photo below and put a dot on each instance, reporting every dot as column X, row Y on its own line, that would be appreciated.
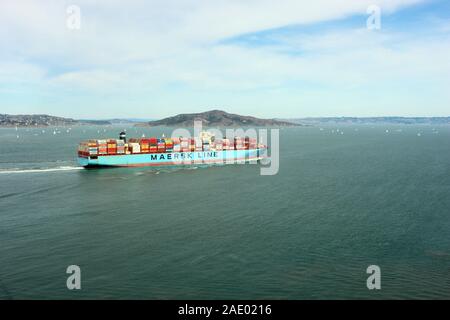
column 116, row 32
column 141, row 47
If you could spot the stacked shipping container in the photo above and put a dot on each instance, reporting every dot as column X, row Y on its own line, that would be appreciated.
column 134, row 147
column 218, row 144
column 161, row 146
column 169, row 144
column 250, row 143
column 102, row 147
column 176, row 144
column 154, row 145
column 198, row 143
column 227, row 145
column 145, row 145
column 120, row 146
column 239, row 143
column 185, row 144
column 88, row 148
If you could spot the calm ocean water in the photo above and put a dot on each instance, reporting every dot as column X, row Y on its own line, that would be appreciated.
column 340, row 203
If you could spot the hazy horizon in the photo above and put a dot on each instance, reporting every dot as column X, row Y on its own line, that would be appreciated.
column 292, row 118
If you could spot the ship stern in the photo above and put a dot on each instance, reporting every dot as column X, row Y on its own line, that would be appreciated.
column 83, row 161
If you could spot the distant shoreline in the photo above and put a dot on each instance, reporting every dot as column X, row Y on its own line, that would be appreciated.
column 214, row 119
column 206, row 127
column 375, row 120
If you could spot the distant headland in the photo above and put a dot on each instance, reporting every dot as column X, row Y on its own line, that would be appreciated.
column 217, row 118
column 43, row 120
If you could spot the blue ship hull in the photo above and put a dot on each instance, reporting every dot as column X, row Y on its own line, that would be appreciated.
column 173, row 158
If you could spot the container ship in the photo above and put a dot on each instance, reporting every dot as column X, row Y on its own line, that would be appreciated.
column 205, row 149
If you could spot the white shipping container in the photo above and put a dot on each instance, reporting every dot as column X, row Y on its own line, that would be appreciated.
column 135, row 147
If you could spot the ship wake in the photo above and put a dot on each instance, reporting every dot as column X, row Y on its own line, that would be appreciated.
column 40, row 170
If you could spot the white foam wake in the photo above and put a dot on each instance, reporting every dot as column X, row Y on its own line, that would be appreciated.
column 40, row 170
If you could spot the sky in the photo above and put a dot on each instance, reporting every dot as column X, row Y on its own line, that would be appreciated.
column 272, row 59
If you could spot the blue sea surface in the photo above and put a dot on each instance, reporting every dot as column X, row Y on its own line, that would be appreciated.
column 345, row 197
